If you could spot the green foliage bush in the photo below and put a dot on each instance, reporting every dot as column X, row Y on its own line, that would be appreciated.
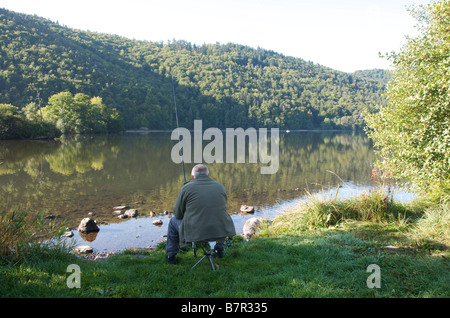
column 81, row 114
column 64, row 113
column 412, row 133
column 13, row 125
column 24, row 234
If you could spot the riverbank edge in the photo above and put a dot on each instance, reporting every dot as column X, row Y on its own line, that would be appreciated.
column 378, row 240
column 148, row 131
column 318, row 213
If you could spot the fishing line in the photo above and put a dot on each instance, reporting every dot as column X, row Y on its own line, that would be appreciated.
column 178, row 127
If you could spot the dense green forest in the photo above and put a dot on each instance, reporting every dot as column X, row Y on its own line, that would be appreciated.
column 225, row 85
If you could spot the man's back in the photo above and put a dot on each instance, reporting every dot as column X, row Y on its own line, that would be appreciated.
column 202, row 205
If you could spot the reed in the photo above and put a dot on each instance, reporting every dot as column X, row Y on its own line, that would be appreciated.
column 374, row 206
column 24, row 233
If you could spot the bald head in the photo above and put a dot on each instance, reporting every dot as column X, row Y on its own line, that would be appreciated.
column 199, row 170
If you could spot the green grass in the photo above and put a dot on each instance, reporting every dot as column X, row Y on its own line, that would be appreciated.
column 296, row 255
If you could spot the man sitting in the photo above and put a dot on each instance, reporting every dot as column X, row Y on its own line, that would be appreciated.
column 200, row 214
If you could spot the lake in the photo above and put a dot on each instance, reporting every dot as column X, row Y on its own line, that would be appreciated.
column 73, row 176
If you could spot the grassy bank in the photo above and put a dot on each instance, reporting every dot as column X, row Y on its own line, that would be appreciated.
column 322, row 248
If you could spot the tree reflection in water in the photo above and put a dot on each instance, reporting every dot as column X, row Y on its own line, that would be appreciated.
column 73, row 176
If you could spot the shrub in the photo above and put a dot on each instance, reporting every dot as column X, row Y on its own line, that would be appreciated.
column 25, row 233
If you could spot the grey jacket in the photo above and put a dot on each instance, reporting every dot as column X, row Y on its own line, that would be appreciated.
column 202, row 205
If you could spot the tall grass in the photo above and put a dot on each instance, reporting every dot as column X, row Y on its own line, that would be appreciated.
column 372, row 206
column 24, row 234
column 321, row 212
column 375, row 205
column 434, row 226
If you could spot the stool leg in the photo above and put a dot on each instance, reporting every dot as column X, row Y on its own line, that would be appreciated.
column 212, row 263
column 194, row 248
column 206, row 253
column 201, row 259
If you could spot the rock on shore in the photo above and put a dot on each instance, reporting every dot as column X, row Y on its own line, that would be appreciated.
column 83, row 249
column 132, row 213
column 88, row 225
column 247, row 209
column 157, row 222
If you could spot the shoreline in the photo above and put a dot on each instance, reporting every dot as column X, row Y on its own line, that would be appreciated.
column 140, row 233
column 296, row 255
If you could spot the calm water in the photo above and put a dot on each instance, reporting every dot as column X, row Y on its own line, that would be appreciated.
column 72, row 177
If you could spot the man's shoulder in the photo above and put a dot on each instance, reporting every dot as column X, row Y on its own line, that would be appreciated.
column 186, row 185
column 213, row 181
column 217, row 185
column 205, row 180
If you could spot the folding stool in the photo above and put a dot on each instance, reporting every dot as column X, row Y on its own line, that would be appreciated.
column 208, row 249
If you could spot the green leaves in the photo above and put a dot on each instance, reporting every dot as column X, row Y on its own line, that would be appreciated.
column 226, row 85
column 81, row 114
column 412, row 132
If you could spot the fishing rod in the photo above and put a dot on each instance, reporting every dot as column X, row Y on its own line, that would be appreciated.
column 178, row 127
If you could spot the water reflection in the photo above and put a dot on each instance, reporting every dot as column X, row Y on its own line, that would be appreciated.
column 74, row 176
column 88, row 237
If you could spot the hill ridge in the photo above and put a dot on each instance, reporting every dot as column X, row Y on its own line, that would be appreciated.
column 225, row 85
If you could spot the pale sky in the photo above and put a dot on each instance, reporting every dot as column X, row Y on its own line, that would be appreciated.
column 345, row 35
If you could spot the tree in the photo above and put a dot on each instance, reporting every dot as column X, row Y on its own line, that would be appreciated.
column 14, row 125
column 60, row 111
column 101, row 119
column 30, row 111
column 412, row 133
column 81, row 114
column 8, row 110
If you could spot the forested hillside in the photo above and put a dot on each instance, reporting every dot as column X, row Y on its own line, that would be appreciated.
column 224, row 85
